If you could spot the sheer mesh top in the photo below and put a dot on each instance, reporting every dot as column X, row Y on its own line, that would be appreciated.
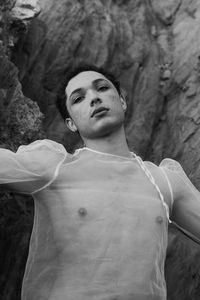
column 100, row 225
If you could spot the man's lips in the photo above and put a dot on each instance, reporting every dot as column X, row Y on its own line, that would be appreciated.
column 99, row 110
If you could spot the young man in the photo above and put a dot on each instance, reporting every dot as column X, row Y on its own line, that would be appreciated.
column 101, row 214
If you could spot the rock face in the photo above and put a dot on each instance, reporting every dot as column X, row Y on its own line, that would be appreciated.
column 152, row 47
column 110, row 34
column 20, row 123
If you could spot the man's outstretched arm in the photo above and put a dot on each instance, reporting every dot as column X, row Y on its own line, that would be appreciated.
column 31, row 167
column 186, row 200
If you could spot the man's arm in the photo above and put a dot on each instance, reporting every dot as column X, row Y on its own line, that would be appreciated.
column 31, row 167
column 186, row 200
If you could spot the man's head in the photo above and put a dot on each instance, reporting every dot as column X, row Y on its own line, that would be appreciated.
column 93, row 104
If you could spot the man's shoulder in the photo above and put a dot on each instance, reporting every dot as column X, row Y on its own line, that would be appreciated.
column 45, row 144
column 167, row 163
column 41, row 155
column 151, row 166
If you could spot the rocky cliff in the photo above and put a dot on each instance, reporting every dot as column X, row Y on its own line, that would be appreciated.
column 153, row 48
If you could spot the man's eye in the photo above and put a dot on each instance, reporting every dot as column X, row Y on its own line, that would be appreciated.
column 78, row 99
column 102, row 88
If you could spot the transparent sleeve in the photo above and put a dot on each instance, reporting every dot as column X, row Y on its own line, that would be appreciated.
column 186, row 199
column 32, row 167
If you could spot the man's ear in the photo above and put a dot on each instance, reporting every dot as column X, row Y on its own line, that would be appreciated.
column 70, row 124
column 123, row 99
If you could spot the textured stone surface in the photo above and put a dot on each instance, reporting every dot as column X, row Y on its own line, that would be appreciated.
column 154, row 49
column 182, row 268
column 110, row 35
column 25, row 9
column 20, row 123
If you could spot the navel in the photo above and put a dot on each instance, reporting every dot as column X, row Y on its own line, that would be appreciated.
column 82, row 212
column 159, row 219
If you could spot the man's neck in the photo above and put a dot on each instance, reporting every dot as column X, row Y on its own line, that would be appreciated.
column 114, row 143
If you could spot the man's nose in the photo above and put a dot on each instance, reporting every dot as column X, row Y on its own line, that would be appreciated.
column 95, row 100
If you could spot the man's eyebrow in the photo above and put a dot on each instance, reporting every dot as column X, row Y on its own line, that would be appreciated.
column 99, row 80
column 76, row 91
column 94, row 82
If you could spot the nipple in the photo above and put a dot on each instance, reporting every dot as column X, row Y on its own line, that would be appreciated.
column 82, row 211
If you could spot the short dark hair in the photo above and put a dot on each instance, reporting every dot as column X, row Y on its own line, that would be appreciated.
column 61, row 96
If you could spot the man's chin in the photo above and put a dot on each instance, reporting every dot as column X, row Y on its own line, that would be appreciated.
column 105, row 130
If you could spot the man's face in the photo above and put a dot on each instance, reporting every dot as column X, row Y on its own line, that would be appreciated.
column 95, row 107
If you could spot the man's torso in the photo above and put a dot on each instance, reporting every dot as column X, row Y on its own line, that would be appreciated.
column 100, row 233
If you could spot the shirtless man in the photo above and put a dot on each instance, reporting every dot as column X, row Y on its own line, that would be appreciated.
column 101, row 214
